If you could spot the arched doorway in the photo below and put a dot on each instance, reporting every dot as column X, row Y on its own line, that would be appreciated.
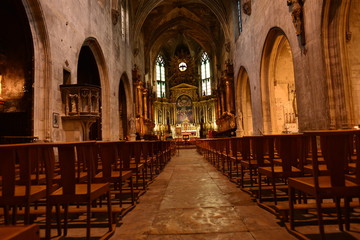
column 88, row 73
column 16, row 71
column 123, row 109
column 244, row 114
column 278, row 85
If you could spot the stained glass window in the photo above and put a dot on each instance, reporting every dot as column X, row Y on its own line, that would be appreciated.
column 205, row 75
column 160, row 76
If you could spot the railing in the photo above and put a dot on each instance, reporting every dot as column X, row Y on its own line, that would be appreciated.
column 81, row 100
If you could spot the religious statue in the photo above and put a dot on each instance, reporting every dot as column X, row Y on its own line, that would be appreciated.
column 73, row 103
column 247, row 7
column 296, row 15
column 132, row 125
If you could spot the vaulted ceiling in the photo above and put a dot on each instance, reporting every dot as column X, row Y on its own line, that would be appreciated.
column 164, row 24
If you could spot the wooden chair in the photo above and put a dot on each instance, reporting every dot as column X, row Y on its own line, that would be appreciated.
column 70, row 191
column 290, row 150
column 147, row 157
column 23, row 192
column 112, row 168
column 246, row 160
column 334, row 146
column 235, row 158
column 132, row 158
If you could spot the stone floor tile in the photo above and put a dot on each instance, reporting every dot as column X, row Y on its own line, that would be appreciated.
column 191, row 200
column 278, row 234
column 208, row 236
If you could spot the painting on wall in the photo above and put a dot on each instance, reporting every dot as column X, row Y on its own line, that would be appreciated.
column 184, row 109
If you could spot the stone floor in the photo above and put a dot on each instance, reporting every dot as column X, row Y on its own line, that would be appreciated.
column 191, row 200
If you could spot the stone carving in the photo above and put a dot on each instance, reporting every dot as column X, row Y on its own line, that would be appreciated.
column 115, row 16
column 227, row 46
column 297, row 17
column 73, row 99
column 247, row 7
column 132, row 125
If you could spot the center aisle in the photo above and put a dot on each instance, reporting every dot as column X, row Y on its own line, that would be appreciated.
column 190, row 200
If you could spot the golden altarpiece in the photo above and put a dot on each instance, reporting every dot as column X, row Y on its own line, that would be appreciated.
column 185, row 110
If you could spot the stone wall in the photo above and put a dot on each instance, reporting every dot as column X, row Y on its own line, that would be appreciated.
column 69, row 26
column 308, row 59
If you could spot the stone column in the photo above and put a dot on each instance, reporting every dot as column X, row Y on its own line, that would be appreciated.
column 145, row 103
column 218, row 106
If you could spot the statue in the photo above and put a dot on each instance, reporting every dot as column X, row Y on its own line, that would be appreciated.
column 296, row 15
column 132, row 125
column 73, row 103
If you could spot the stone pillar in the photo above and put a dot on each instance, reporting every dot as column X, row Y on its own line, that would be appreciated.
column 145, row 103
column 229, row 88
column 223, row 105
column 218, row 106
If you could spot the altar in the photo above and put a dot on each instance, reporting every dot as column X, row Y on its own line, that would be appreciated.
column 186, row 128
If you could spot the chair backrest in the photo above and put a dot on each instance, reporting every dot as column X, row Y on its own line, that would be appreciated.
column 67, row 164
column 258, row 146
column 246, row 148
column 335, row 148
column 356, row 151
column 69, row 156
column 109, row 157
column 7, row 170
column 234, row 146
column 27, row 157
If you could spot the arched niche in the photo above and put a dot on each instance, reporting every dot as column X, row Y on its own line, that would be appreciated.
column 16, row 71
column 244, row 112
column 278, row 84
column 92, row 71
column 124, row 108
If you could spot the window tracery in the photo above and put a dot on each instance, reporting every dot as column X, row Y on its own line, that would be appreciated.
column 205, row 75
column 160, row 76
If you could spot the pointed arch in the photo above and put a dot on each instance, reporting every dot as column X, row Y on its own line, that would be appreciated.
column 42, row 70
column 97, row 52
column 124, row 109
column 278, row 92
column 244, row 111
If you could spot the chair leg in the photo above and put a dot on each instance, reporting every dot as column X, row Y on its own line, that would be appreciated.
column 320, row 217
column 242, row 176
column 88, row 220
column 57, row 206
column 66, row 213
column 6, row 215
column 259, row 192
column 48, row 221
column 291, row 207
column 14, row 216
column 120, row 193
column 132, row 191
column 109, row 211
column 274, row 189
column 251, row 177
column 338, row 213
column 347, row 213
column 143, row 178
